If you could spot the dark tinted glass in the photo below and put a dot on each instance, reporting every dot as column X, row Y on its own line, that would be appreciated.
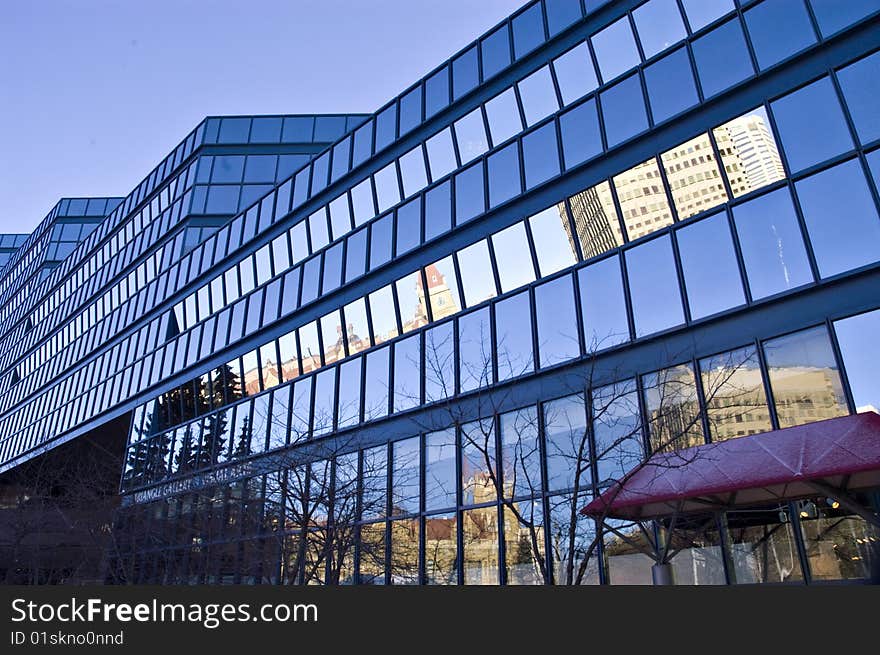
column 469, row 196
column 779, row 29
column 410, row 110
column 561, row 14
column 603, row 305
column 437, row 92
column 528, row 30
column 581, row 138
column 653, row 285
column 504, row 181
column 623, row 108
column 465, row 75
column 671, row 87
column 834, row 15
column 540, row 155
column 495, row 49
column 722, row 58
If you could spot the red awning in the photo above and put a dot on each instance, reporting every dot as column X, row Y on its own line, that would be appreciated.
column 840, row 453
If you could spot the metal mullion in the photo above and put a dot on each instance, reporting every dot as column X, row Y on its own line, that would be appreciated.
column 765, row 380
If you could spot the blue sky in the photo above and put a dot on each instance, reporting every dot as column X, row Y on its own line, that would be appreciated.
column 93, row 93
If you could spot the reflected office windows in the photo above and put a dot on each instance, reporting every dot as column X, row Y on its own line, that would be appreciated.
column 672, row 409
column 557, row 322
column 439, row 362
column 702, row 12
column 623, row 110
column 407, row 373
column 356, row 255
column 615, row 49
column 722, row 58
column 477, row 276
column 436, row 92
column 671, row 86
column 575, row 73
column 811, row 125
column 642, row 198
column 841, row 218
column 860, row 83
column 659, row 25
column 693, row 177
column 495, row 50
column 357, row 333
column 332, row 274
column 280, row 417
column 733, row 389
column 475, row 365
column 502, row 112
column 528, row 30
column 772, row 244
column 708, row 261
column 442, row 284
column 513, row 336
column 470, row 134
column 376, row 383
column 411, row 301
column 383, row 315
column 318, row 230
column 554, row 242
column 580, row 132
column 779, row 30
column 804, row 379
column 465, row 73
column 595, row 220
column 603, row 305
column 538, row 96
column 514, row 269
column 857, row 336
column 340, row 216
column 654, row 289
column 288, row 356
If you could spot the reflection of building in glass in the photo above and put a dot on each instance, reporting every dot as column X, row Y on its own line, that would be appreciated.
column 439, row 295
column 595, row 220
column 749, row 153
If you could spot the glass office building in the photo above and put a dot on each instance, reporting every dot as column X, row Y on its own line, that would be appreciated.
column 408, row 347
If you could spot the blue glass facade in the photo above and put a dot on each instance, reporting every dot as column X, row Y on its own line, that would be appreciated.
column 408, row 347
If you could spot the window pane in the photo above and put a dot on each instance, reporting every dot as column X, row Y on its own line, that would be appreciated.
column 804, row 378
column 375, row 488
column 520, row 457
column 470, row 198
column 567, row 444
column 653, row 286
column 702, row 12
column 859, row 349
column 407, row 373
column 673, row 409
column 442, row 288
column 615, row 49
column 332, row 268
column 356, row 255
column 412, row 172
column 581, row 138
column 376, row 384
column 513, row 336
column 438, row 210
column 331, row 335
column 671, row 87
column 841, row 218
column 387, row 187
column 465, row 75
column 768, row 531
column 411, row 300
column 300, row 418
column 349, row 407
column 860, row 83
column 833, row 15
column 480, row 539
column 495, row 49
column 538, row 96
column 405, row 476
column 362, row 202
column 477, row 278
column 318, row 230
column 439, row 362
column 772, row 245
column 733, row 388
column 410, row 110
column 470, row 133
column 540, row 155
column 693, row 175
column 799, row 114
column 779, row 29
column 478, row 462
column 617, row 431
column 380, row 241
column 659, row 25
column 441, row 154
column 557, row 323
column 504, row 179
column 528, row 34
column 575, row 74
column 623, row 109
column 440, row 470
column 356, row 330
column 310, row 350
column 514, row 267
column 642, row 198
column 603, row 305
column 386, row 126
column 409, row 226
column 554, row 245
column 595, row 220
column 502, row 112
column 722, row 58
column 475, row 350
column 383, row 315
column 711, row 274
column 561, row 14
column 749, row 152
column 441, row 549
column 437, row 92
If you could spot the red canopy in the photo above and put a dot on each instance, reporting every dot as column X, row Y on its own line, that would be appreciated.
column 840, row 454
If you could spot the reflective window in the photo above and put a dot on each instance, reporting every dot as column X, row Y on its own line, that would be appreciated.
column 438, row 211
column 495, row 49
column 557, row 323
column 405, row 477
column 477, row 462
column 222, row 200
column 702, row 12
column 538, row 96
column 341, row 155
column 332, row 336
column 340, row 217
column 363, row 144
column 642, row 198
column 749, row 152
column 356, row 255
column 671, row 87
column 465, row 73
column 520, row 463
column 575, row 74
column 768, row 531
column 299, row 241
column 859, row 349
column 380, row 241
column 581, row 138
column 439, row 362
column 504, row 179
column 772, row 245
column 318, row 230
column 441, row 549
column 441, row 154
column 811, row 125
column 409, row 226
column 528, row 31
column 470, row 133
column 260, row 423
column 595, row 220
column 387, row 188
column 280, row 410
column 288, row 357
column 841, row 218
column 475, row 350
column 362, row 202
column 480, row 539
column 442, row 288
column 554, row 244
column 228, row 168
column 693, row 176
column 615, row 49
column 540, row 155
column 260, row 168
column 325, row 401
column 412, row 171
column 375, row 484
column 407, row 373
column 617, row 431
column 440, row 470
column 332, row 268
column 386, row 127
column 356, row 330
column 300, row 413
column 722, row 58
column 672, row 409
column 437, row 92
column 711, row 274
column 410, row 110
column 653, row 285
column 733, row 389
column 469, row 194
column 833, row 15
column 502, row 112
column 566, row 440
column 349, row 405
column 623, row 109
column 778, row 30
column 309, row 348
column 411, row 300
column 311, row 279
column 561, row 14
column 376, row 384
column 860, row 83
column 514, row 267
column 804, row 378
column 874, row 164
column 477, row 278
column 513, row 341
column 383, row 315
column 603, row 305
column 659, row 25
